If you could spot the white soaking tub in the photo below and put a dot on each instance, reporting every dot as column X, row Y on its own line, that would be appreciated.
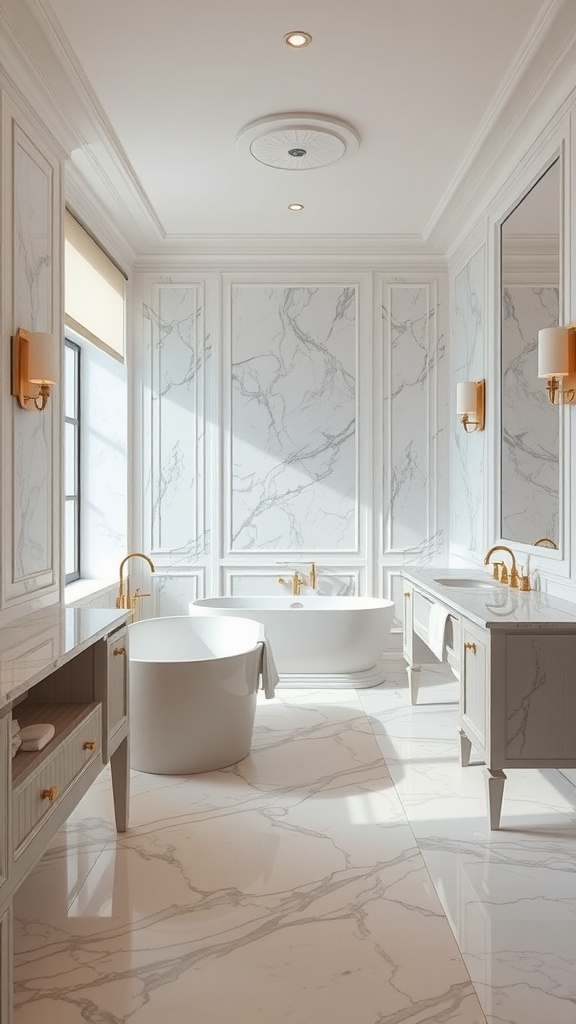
column 193, row 686
column 317, row 641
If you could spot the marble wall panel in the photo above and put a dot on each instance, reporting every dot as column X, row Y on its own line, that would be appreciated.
column 293, row 416
column 175, row 394
column 411, row 352
column 530, row 437
column 468, row 486
column 33, row 242
column 173, row 593
column 331, row 581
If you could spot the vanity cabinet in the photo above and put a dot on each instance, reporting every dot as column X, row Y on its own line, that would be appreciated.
column 75, row 678
column 516, row 654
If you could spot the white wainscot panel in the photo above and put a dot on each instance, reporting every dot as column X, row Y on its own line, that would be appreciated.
column 33, row 553
column 411, row 353
column 293, row 418
column 175, row 373
column 393, row 590
column 264, row 583
column 530, row 449
column 174, row 592
column 468, row 482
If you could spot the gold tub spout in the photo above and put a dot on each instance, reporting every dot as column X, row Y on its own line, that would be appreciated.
column 124, row 600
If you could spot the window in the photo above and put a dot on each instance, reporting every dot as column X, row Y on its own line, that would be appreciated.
column 72, row 462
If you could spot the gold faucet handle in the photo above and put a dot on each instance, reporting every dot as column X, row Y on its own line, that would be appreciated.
column 524, row 583
column 496, row 570
column 513, row 578
column 503, row 572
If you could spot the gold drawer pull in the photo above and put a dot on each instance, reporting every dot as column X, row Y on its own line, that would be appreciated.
column 89, row 745
column 468, row 646
column 119, row 650
column 407, row 593
column 50, row 794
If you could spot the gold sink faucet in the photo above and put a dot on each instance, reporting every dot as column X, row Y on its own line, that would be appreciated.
column 125, row 600
column 504, row 577
column 313, row 575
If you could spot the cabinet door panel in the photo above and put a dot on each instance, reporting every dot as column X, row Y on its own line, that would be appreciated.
column 540, row 698
column 474, row 694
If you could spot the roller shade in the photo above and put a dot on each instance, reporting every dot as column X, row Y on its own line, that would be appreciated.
column 94, row 296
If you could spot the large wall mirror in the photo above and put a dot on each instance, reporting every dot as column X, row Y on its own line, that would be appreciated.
column 530, row 295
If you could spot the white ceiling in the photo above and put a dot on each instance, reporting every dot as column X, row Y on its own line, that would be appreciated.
column 178, row 80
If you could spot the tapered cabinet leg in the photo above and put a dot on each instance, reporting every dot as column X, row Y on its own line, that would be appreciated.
column 413, row 683
column 465, row 749
column 120, row 769
column 495, row 780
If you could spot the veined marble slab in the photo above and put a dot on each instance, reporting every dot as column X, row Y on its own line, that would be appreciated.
column 34, row 646
column 495, row 608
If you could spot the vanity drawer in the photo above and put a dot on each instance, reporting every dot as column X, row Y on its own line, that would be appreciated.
column 40, row 782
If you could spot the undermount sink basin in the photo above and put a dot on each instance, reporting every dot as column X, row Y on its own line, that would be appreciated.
column 465, row 583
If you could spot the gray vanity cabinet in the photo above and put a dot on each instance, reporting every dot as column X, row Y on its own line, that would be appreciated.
column 516, row 661
column 81, row 689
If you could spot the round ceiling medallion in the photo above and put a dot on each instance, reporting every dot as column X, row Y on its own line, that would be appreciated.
column 298, row 142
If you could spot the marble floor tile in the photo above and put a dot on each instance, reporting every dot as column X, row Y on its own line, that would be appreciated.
column 286, row 888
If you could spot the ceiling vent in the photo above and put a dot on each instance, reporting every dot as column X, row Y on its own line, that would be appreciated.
column 298, row 142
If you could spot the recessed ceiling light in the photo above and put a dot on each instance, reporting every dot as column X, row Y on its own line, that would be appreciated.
column 295, row 206
column 297, row 39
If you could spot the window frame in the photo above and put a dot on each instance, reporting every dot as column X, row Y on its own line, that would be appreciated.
column 76, row 496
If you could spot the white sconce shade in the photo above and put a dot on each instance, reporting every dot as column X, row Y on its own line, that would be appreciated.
column 470, row 404
column 557, row 362
column 35, row 366
column 43, row 358
column 554, row 352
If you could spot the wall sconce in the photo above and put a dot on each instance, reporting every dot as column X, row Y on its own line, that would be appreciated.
column 557, row 362
column 35, row 360
column 470, row 404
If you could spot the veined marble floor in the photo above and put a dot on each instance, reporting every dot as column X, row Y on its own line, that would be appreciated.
column 343, row 873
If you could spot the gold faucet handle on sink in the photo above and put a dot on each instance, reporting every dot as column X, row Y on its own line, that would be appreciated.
column 503, row 572
column 496, row 566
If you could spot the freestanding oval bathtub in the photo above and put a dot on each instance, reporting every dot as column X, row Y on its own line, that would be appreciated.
column 193, row 686
column 317, row 641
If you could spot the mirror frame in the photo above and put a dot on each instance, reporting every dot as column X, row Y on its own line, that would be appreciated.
column 517, row 187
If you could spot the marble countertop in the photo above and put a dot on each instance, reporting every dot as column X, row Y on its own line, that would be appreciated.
column 496, row 608
column 34, row 646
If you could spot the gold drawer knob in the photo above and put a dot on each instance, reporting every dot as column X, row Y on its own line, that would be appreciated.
column 469, row 646
column 407, row 593
column 50, row 794
column 119, row 650
column 89, row 745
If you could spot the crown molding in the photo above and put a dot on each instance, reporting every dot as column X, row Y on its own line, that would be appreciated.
column 393, row 254
column 87, row 209
column 540, row 79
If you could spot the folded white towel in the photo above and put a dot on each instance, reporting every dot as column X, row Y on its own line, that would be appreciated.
column 268, row 670
column 35, row 737
column 15, row 726
column 437, row 629
column 16, row 744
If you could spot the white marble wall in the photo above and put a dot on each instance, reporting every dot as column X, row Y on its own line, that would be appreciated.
column 468, row 485
column 33, row 269
column 174, row 382
column 412, row 350
column 293, row 418
column 29, row 440
column 310, row 430
column 530, row 434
